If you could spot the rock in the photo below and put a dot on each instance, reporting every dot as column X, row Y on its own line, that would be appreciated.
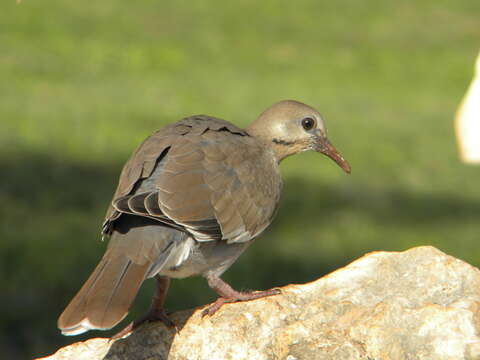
column 417, row 304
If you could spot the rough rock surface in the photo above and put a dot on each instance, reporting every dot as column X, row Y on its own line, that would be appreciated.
column 417, row 304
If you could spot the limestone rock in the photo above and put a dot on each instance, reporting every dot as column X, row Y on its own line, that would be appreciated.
column 417, row 304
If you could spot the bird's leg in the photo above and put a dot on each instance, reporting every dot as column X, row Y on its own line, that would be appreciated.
column 228, row 294
column 156, row 311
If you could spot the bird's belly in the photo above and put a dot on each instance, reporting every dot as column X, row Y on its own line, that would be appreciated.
column 213, row 257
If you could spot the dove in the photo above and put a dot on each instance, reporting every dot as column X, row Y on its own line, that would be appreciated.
column 189, row 201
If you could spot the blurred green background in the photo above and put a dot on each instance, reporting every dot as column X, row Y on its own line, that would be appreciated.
column 82, row 83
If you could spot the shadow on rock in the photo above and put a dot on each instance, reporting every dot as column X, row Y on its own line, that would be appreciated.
column 156, row 345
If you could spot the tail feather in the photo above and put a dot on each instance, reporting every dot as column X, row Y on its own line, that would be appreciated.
column 138, row 249
column 70, row 322
column 104, row 299
column 113, row 293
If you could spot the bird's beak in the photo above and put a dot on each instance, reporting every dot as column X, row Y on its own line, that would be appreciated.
column 324, row 146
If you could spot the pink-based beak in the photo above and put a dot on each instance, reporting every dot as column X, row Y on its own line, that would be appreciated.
column 325, row 147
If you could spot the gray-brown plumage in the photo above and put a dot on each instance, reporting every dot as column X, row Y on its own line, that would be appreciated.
column 189, row 201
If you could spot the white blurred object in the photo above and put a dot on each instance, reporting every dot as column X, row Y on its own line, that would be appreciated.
column 467, row 121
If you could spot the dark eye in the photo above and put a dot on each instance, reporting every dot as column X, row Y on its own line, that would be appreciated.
column 308, row 123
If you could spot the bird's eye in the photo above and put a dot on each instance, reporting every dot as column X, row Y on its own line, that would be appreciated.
column 308, row 123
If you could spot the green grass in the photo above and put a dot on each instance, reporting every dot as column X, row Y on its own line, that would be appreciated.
column 83, row 83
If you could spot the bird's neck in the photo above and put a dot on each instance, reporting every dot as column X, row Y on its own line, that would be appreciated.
column 279, row 147
column 283, row 149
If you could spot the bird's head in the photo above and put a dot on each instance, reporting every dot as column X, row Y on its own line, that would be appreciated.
column 291, row 127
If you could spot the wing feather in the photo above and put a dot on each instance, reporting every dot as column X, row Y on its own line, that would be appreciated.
column 202, row 175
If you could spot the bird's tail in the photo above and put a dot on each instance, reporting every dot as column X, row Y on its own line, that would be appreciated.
column 105, row 298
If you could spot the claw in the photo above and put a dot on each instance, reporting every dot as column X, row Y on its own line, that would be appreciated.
column 148, row 317
column 236, row 297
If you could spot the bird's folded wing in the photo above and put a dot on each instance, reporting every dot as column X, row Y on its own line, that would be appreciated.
column 202, row 175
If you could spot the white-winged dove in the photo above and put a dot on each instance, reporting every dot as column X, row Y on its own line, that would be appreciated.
column 190, row 200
